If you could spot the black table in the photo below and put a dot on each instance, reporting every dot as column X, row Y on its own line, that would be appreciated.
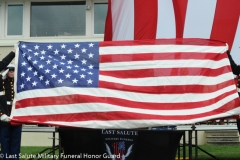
column 134, row 144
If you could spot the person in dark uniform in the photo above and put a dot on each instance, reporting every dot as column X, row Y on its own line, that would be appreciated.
column 10, row 134
column 236, row 71
column 3, row 103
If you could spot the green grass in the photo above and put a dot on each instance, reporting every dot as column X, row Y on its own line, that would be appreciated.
column 221, row 152
column 34, row 152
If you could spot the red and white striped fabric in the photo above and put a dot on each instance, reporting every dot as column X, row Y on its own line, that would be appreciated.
column 141, row 19
column 143, row 83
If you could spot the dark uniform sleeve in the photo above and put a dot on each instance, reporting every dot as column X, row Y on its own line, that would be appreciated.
column 235, row 68
column 6, row 60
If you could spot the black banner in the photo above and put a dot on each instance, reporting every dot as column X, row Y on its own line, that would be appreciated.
column 97, row 144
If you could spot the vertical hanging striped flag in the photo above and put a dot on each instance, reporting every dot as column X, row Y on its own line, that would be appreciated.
column 153, row 19
column 123, row 84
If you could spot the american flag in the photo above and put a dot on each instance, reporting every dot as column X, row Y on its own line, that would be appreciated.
column 123, row 84
column 119, row 149
column 153, row 19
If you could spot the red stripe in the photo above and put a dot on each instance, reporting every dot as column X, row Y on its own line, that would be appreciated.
column 161, row 56
column 226, row 21
column 167, row 89
column 103, row 116
column 115, row 147
column 78, row 99
column 177, row 41
column 180, row 9
column 108, row 23
column 145, row 19
column 162, row 72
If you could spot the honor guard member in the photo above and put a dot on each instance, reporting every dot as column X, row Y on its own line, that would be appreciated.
column 11, row 134
column 3, row 104
column 236, row 71
column 3, row 64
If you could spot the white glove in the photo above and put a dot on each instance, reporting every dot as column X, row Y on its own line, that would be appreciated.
column 5, row 118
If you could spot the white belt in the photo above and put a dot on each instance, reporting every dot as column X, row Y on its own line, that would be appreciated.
column 9, row 102
column 2, row 93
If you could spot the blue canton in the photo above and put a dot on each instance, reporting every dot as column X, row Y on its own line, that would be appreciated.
column 51, row 65
column 121, row 145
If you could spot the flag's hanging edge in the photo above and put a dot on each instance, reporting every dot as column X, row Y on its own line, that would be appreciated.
column 227, row 46
column 16, row 48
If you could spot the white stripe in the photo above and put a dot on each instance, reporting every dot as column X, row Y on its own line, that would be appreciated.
column 155, row 64
column 102, row 107
column 117, row 124
column 169, row 81
column 199, row 18
column 160, row 49
column 235, row 51
column 122, row 19
column 166, row 26
column 131, row 96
